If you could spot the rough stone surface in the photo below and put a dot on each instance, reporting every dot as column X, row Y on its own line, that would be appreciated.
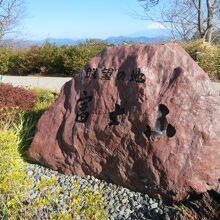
column 154, row 129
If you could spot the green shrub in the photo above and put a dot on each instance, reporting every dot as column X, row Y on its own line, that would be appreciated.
column 49, row 59
column 75, row 57
column 45, row 60
column 217, row 73
column 13, row 184
column 8, row 116
column 26, row 125
column 20, row 110
column 45, row 96
column 18, row 63
column 4, row 60
column 208, row 58
column 14, row 188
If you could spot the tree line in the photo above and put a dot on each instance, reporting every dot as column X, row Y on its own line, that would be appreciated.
column 52, row 60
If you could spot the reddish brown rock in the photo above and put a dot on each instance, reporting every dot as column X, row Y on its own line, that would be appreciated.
column 149, row 122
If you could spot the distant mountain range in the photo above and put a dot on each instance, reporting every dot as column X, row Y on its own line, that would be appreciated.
column 142, row 39
column 67, row 41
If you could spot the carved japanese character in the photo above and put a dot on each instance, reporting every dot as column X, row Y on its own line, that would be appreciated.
column 106, row 73
column 82, row 104
column 114, row 115
column 137, row 76
column 91, row 72
column 82, row 117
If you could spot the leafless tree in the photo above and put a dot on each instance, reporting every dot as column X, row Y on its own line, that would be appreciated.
column 11, row 11
column 186, row 19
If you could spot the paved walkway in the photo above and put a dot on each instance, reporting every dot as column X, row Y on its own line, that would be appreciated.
column 54, row 83
column 216, row 85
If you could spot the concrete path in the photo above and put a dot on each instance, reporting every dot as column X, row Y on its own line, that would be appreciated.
column 53, row 83
column 216, row 85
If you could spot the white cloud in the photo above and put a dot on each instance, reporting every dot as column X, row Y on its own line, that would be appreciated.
column 155, row 26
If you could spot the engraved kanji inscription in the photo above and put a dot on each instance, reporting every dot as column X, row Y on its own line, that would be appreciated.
column 82, row 105
column 137, row 76
column 106, row 73
column 92, row 72
column 113, row 116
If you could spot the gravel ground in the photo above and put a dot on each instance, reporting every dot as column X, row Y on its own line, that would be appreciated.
column 121, row 203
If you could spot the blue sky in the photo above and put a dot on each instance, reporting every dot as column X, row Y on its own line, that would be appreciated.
column 85, row 19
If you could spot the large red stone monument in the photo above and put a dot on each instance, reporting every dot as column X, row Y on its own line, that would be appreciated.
column 141, row 116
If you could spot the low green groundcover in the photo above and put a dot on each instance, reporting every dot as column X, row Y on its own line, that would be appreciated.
column 15, row 186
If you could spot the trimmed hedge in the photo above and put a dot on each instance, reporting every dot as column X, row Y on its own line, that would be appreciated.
column 51, row 60
column 48, row 59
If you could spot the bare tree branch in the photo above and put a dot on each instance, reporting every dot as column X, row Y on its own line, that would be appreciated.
column 11, row 11
column 150, row 3
column 187, row 19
